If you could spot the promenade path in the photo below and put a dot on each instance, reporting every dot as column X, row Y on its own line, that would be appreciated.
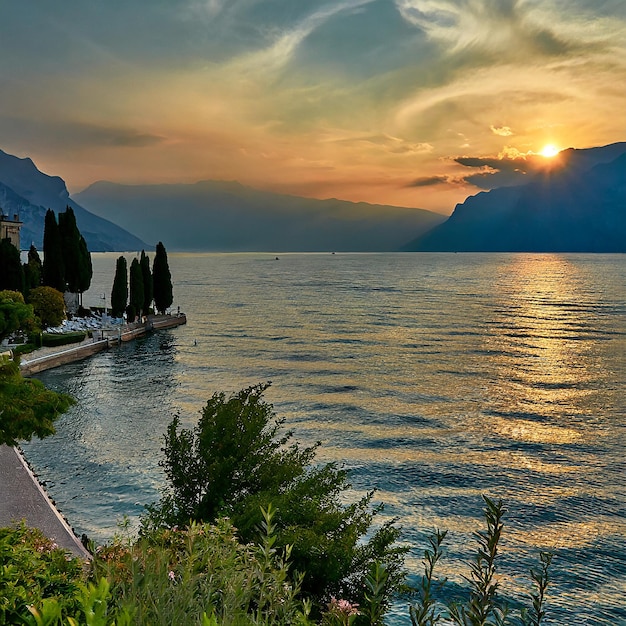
column 21, row 495
column 23, row 498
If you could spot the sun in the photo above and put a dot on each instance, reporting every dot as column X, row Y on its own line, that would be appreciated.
column 549, row 151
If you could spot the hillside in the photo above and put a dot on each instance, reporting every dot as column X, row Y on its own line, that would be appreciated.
column 579, row 206
column 27, row 192
column 226, row 216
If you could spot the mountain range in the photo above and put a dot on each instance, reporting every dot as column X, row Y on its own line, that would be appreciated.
column 28, row 193
column 577, row 205
column 227, row 216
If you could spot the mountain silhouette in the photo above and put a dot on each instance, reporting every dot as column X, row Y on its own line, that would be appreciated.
column 227, row 216
column 28, row 193
column 579, row 205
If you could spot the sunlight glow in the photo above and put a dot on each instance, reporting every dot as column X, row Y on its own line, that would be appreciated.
column 549, row 151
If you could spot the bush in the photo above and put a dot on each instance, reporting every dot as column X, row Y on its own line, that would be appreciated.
column 51, row 340
column 34, row 569
column 27, row 407
column 483, row 604
column 235, row 462
column 48, row 304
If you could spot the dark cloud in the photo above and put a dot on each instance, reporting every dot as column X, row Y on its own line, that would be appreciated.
column 74, row 134
column 502, row 171
column 429, row 181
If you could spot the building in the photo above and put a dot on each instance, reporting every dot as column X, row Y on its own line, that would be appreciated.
column 10, row 229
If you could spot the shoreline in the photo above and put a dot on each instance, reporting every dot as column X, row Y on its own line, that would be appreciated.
column 46, row 358
column 22, row 496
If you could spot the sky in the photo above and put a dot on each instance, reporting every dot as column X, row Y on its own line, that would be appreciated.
column 415, row 103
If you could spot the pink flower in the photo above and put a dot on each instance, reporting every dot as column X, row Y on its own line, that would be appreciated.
column 172, row 576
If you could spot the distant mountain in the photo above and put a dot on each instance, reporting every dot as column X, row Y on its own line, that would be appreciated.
column 579, row 206
column 28, row 193
column 226, row 216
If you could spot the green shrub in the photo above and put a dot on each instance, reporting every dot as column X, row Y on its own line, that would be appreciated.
column 174, row 576
column 483, row 604
column 52, row 340
column 33, row 569
column 235, row 462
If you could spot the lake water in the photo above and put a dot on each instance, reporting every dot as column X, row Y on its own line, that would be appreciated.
column 434, row 377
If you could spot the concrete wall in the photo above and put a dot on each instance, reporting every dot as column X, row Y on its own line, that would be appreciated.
column 39, row 364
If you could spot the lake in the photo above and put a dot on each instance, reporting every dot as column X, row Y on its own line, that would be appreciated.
column 434, row 377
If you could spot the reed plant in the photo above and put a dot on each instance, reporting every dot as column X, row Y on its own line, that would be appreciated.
column 483, row 605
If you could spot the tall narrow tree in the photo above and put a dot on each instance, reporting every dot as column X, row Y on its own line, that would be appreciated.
column 68, row 232
column 144, row 262
column 119, row 292
column 53, row 269
column 11, row 270
column 162, row 280
column 85, row 271
column 32, row 271
column 136, row 289
column 76, row 257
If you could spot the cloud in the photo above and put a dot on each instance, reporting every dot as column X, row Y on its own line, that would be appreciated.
column 430, row 181
column 502, row 131
column 76, row 135
column 510, row 167
column 387, row 143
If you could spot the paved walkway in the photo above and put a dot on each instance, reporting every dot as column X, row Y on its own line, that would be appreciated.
column 23, row 498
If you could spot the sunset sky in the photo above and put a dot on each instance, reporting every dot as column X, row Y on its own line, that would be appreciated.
column 410, row 102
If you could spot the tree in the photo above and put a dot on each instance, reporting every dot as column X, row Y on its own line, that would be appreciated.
column 144, row 262
column 53, row 268
column 235, row 462
column 76, row 257
column 27, row 408
column 162, row 280
column 119, row 292
column 14, row 313
column 85, row 270
column 48, row 304
column 11, row 270
column 136, row 287
column 32, row 271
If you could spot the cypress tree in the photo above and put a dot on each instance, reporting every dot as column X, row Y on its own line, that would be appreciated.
column 53, row 269
column 136, row 287
column 11, row 270
column 162, row 280
column 76, row 256
column 85, row 269
column 69, row 234
column 32, row 271
column 119, row 292
column 144, row 262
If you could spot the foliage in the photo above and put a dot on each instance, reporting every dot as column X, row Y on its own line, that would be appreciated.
column 60, row 339
column 32, row 271
column 119, row 292
column 85, row 269
column 11, row 270
column 27, row 408
column 76, row 257
column 53, row 266
column 235, row 461
column 173, row 576
column 14, row 313
column 48, row 304
column 136, row 287
column 148, row 292
column 161, row 280
column 34, row 569
column 483, row 606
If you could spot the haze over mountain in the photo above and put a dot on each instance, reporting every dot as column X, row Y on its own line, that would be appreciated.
column 28, row 193
column 227, row 216
column 578, row 204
